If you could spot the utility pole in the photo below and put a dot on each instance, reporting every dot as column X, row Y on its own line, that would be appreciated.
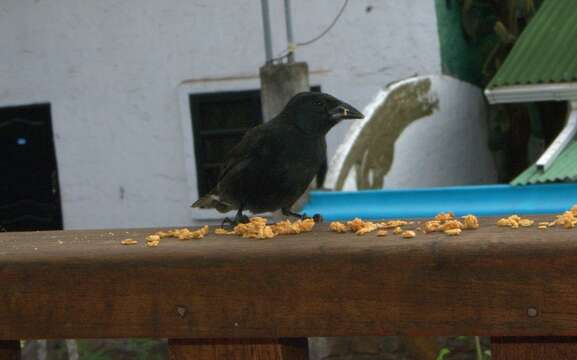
column 280, row 82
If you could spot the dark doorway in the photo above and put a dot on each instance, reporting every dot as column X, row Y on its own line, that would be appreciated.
column 29, row 191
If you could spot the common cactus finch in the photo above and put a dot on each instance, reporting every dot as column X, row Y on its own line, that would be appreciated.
column 273, row 164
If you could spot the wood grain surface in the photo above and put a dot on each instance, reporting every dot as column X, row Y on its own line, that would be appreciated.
column 492, row 281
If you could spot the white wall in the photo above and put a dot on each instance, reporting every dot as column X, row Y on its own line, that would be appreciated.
column 114, row 70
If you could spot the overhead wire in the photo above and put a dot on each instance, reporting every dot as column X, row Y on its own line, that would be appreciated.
column 292, row 47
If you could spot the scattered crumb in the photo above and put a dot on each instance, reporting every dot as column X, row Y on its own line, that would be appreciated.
column 255, row 229
column 408, row 234
column 153, row 238
column 391, row 224
column 369, row 227
column 445, row 216
column 186, row 234
column 221, row 231
column 127, row 242
column 471, row 222
column 543, row 227
column 431, row 226
column 356, row 224
column 514, row 221
column 397, row 230
column 382, row 232
column 339, row 227
column 453, row 231
column 452, row 224
column 287, row 228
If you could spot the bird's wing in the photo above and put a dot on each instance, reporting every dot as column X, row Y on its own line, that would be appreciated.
column 252, row 146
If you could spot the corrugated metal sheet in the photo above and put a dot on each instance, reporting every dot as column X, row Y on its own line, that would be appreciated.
column 546, row 51
column 563, row 169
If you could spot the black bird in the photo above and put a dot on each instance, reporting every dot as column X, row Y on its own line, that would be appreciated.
column 273, row 164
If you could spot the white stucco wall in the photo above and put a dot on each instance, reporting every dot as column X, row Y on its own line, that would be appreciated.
column 115, row 72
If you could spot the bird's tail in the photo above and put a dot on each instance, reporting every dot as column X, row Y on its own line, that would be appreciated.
column 212, row 201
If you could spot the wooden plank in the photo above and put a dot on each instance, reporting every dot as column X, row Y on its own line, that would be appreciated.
column 534, row 348
column 10, row 350
column 491, row 281
column 238, row 349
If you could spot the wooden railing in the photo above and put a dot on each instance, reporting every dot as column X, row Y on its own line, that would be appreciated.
column 260, row 298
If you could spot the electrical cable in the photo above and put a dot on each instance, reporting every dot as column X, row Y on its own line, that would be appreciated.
column 291, row 47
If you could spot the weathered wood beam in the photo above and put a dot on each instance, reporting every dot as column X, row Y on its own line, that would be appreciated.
column 491, row 281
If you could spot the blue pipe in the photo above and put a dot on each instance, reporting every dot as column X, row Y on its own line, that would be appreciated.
column 485, row 200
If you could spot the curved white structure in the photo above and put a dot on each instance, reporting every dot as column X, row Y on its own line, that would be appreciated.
column 419, row 132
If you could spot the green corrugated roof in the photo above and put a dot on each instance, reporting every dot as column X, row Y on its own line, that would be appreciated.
column 564, row 168
column 546, row 51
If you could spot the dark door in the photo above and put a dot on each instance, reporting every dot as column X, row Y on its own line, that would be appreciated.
column 29, row 193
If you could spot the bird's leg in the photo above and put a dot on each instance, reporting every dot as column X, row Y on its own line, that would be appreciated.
column 316, row 217
column 238, row 219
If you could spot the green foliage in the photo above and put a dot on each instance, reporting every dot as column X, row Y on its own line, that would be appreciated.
column 138, row 349
column 85, row 352
column 495, row 25
column 443, row 353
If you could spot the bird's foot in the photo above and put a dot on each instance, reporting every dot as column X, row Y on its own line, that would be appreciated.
column 316, row 217
column 239, row 219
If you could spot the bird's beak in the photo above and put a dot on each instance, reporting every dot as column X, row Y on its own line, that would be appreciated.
column 345, row 111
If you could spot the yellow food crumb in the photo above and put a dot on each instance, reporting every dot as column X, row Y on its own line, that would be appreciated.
column 186, row 234
column 397, row 230
column 431, row 226
column 382, row 232
column 445, row 216
column 452, row 224
column 339, row 227
column 356, row 224
column 453, row 231
column 391, row 224
column 129, row 242
column 286, row 227
column 164, row 234
column 256, row 229
column 543, row 227
column 221, row 231
column 504, row 222
column 408, row 234
column 526, row 222
column 567, row 219
column 153, row 238
column 515, row 221
column 369, row 226
column 471, row 222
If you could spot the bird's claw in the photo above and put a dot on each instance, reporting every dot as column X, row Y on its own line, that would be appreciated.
column 318, row 218
column 242, row 219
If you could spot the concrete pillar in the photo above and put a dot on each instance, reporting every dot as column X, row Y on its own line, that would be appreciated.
column 279, row 83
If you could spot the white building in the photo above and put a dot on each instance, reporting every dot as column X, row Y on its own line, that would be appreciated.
column 118, row 74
